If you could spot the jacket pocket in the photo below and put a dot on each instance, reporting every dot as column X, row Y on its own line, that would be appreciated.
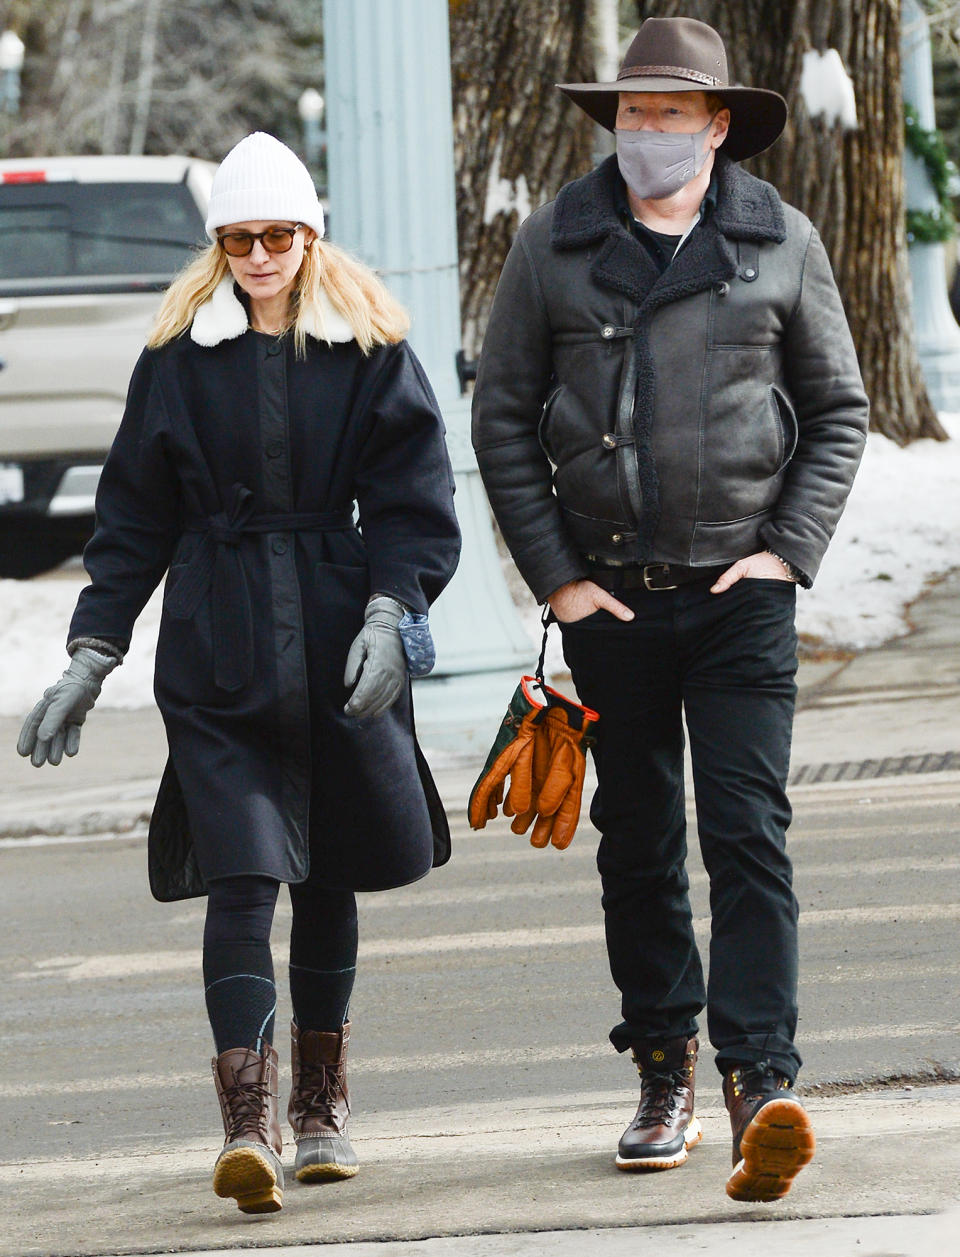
column 786, row 419
column 607, row 537
column 542, row 435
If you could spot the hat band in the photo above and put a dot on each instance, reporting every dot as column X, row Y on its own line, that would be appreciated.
column 669, row 71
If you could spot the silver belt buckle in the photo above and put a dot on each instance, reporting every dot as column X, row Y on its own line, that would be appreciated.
column 651, row 569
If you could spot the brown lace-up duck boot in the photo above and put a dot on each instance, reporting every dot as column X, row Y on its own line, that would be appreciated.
column 248, row 1168
column 320, row 1104
column 665, row 1128
column 772, row 1135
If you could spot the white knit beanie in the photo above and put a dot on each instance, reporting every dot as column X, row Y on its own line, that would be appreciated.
column 262, row 180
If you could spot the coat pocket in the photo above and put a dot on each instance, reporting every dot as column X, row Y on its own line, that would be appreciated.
column 340, row 593
column 543, row 425
column 787, row 423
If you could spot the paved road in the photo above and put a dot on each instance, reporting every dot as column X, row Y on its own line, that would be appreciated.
column 486, row 1097
column 485, row 1092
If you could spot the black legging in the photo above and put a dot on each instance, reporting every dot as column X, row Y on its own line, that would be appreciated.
column 238, row 973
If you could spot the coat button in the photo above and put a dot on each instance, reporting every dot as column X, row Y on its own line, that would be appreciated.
column 617, row 538
column 607, row 331
column 609, row 441
column 274, row 449
column 723, row 288
column 749, row 273
column 274, row 348
column 279, row 545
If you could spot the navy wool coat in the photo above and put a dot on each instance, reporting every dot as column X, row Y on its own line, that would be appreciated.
column 241, row 468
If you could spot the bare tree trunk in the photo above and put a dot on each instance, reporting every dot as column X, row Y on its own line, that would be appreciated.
column 517, row 138
column 113, row 96
column 849, row 182
column 148, row 53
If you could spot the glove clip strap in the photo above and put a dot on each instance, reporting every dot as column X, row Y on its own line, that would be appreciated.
column 546, row 619
column 576, row 714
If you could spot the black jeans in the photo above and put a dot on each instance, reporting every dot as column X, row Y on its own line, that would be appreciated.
column 726, row 662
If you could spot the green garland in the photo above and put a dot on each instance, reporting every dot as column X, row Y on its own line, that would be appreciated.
column 937, row 225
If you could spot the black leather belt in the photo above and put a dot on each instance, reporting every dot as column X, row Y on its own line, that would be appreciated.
column 652, row 576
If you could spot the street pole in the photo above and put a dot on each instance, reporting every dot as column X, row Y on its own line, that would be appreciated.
column 391, row 173
column 937, row 333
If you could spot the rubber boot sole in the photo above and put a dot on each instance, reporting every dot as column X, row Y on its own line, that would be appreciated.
column 774, row 1148
column 248, row 1177
column 322, row 1159
column 318, row 1173
column 642, row 1165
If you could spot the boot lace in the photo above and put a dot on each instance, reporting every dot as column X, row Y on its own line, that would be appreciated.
column 659, row 1100
column 321, row 1090
column 758, row 1080
column 247, row 1104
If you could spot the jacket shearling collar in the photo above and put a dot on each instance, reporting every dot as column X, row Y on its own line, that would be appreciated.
column 223, row 317
column 747, row 207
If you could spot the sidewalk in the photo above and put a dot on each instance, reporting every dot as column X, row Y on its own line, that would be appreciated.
column 442, row 1181
column 906, row 1236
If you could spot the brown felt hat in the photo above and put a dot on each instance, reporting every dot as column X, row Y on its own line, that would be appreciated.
column 679, row 54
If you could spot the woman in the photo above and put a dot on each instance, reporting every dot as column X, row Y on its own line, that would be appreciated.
column 276, row 391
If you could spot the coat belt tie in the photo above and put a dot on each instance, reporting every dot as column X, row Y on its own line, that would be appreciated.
column 217, row 562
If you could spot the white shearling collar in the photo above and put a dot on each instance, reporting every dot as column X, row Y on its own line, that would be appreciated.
column 223, row 317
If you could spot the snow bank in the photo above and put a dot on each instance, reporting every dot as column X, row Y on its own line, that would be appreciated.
column 901, row 529
column 34, row 616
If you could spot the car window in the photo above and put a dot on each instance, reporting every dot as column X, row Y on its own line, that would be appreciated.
column 68, row 237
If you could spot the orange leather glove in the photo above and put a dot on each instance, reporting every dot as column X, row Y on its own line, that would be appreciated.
column 560, row 794
column 547, row 782
column 510, row 756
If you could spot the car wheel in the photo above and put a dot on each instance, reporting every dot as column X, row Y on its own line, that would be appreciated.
column 25, row 553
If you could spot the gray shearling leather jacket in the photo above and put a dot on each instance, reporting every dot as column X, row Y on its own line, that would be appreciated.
column 689, row 417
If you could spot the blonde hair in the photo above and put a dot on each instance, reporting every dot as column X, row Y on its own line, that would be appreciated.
column 374, row 315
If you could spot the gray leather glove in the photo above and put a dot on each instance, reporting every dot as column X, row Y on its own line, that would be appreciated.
column 52, row 729
column 376, row 661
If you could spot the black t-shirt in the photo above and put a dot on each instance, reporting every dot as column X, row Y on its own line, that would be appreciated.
column 658, row 244
column 664, row 246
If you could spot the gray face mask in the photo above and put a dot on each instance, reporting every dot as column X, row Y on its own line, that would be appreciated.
column 656, row 164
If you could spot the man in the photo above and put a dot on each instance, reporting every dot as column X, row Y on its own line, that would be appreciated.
column 668, row 416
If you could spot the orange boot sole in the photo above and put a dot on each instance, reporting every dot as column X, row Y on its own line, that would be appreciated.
column 774, row 1148
column 249, row 1178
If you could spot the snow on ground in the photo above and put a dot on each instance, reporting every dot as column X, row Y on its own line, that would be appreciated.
column 34, row 616
column 900, row 530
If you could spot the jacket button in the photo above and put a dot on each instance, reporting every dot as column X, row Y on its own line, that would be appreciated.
column 617, row 539
column 274, row 449
column 609, row 441
column 723, row 288
column 607, row 331
column 749, row 273
column 279, row 545
column 274, row 348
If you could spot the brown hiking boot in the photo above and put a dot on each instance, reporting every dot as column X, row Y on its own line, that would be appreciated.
column 772, row 1135
column 248, row 1168
column 320, row 1104
column 665, row 1128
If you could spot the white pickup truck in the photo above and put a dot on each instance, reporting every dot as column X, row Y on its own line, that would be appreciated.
column 86, row 246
